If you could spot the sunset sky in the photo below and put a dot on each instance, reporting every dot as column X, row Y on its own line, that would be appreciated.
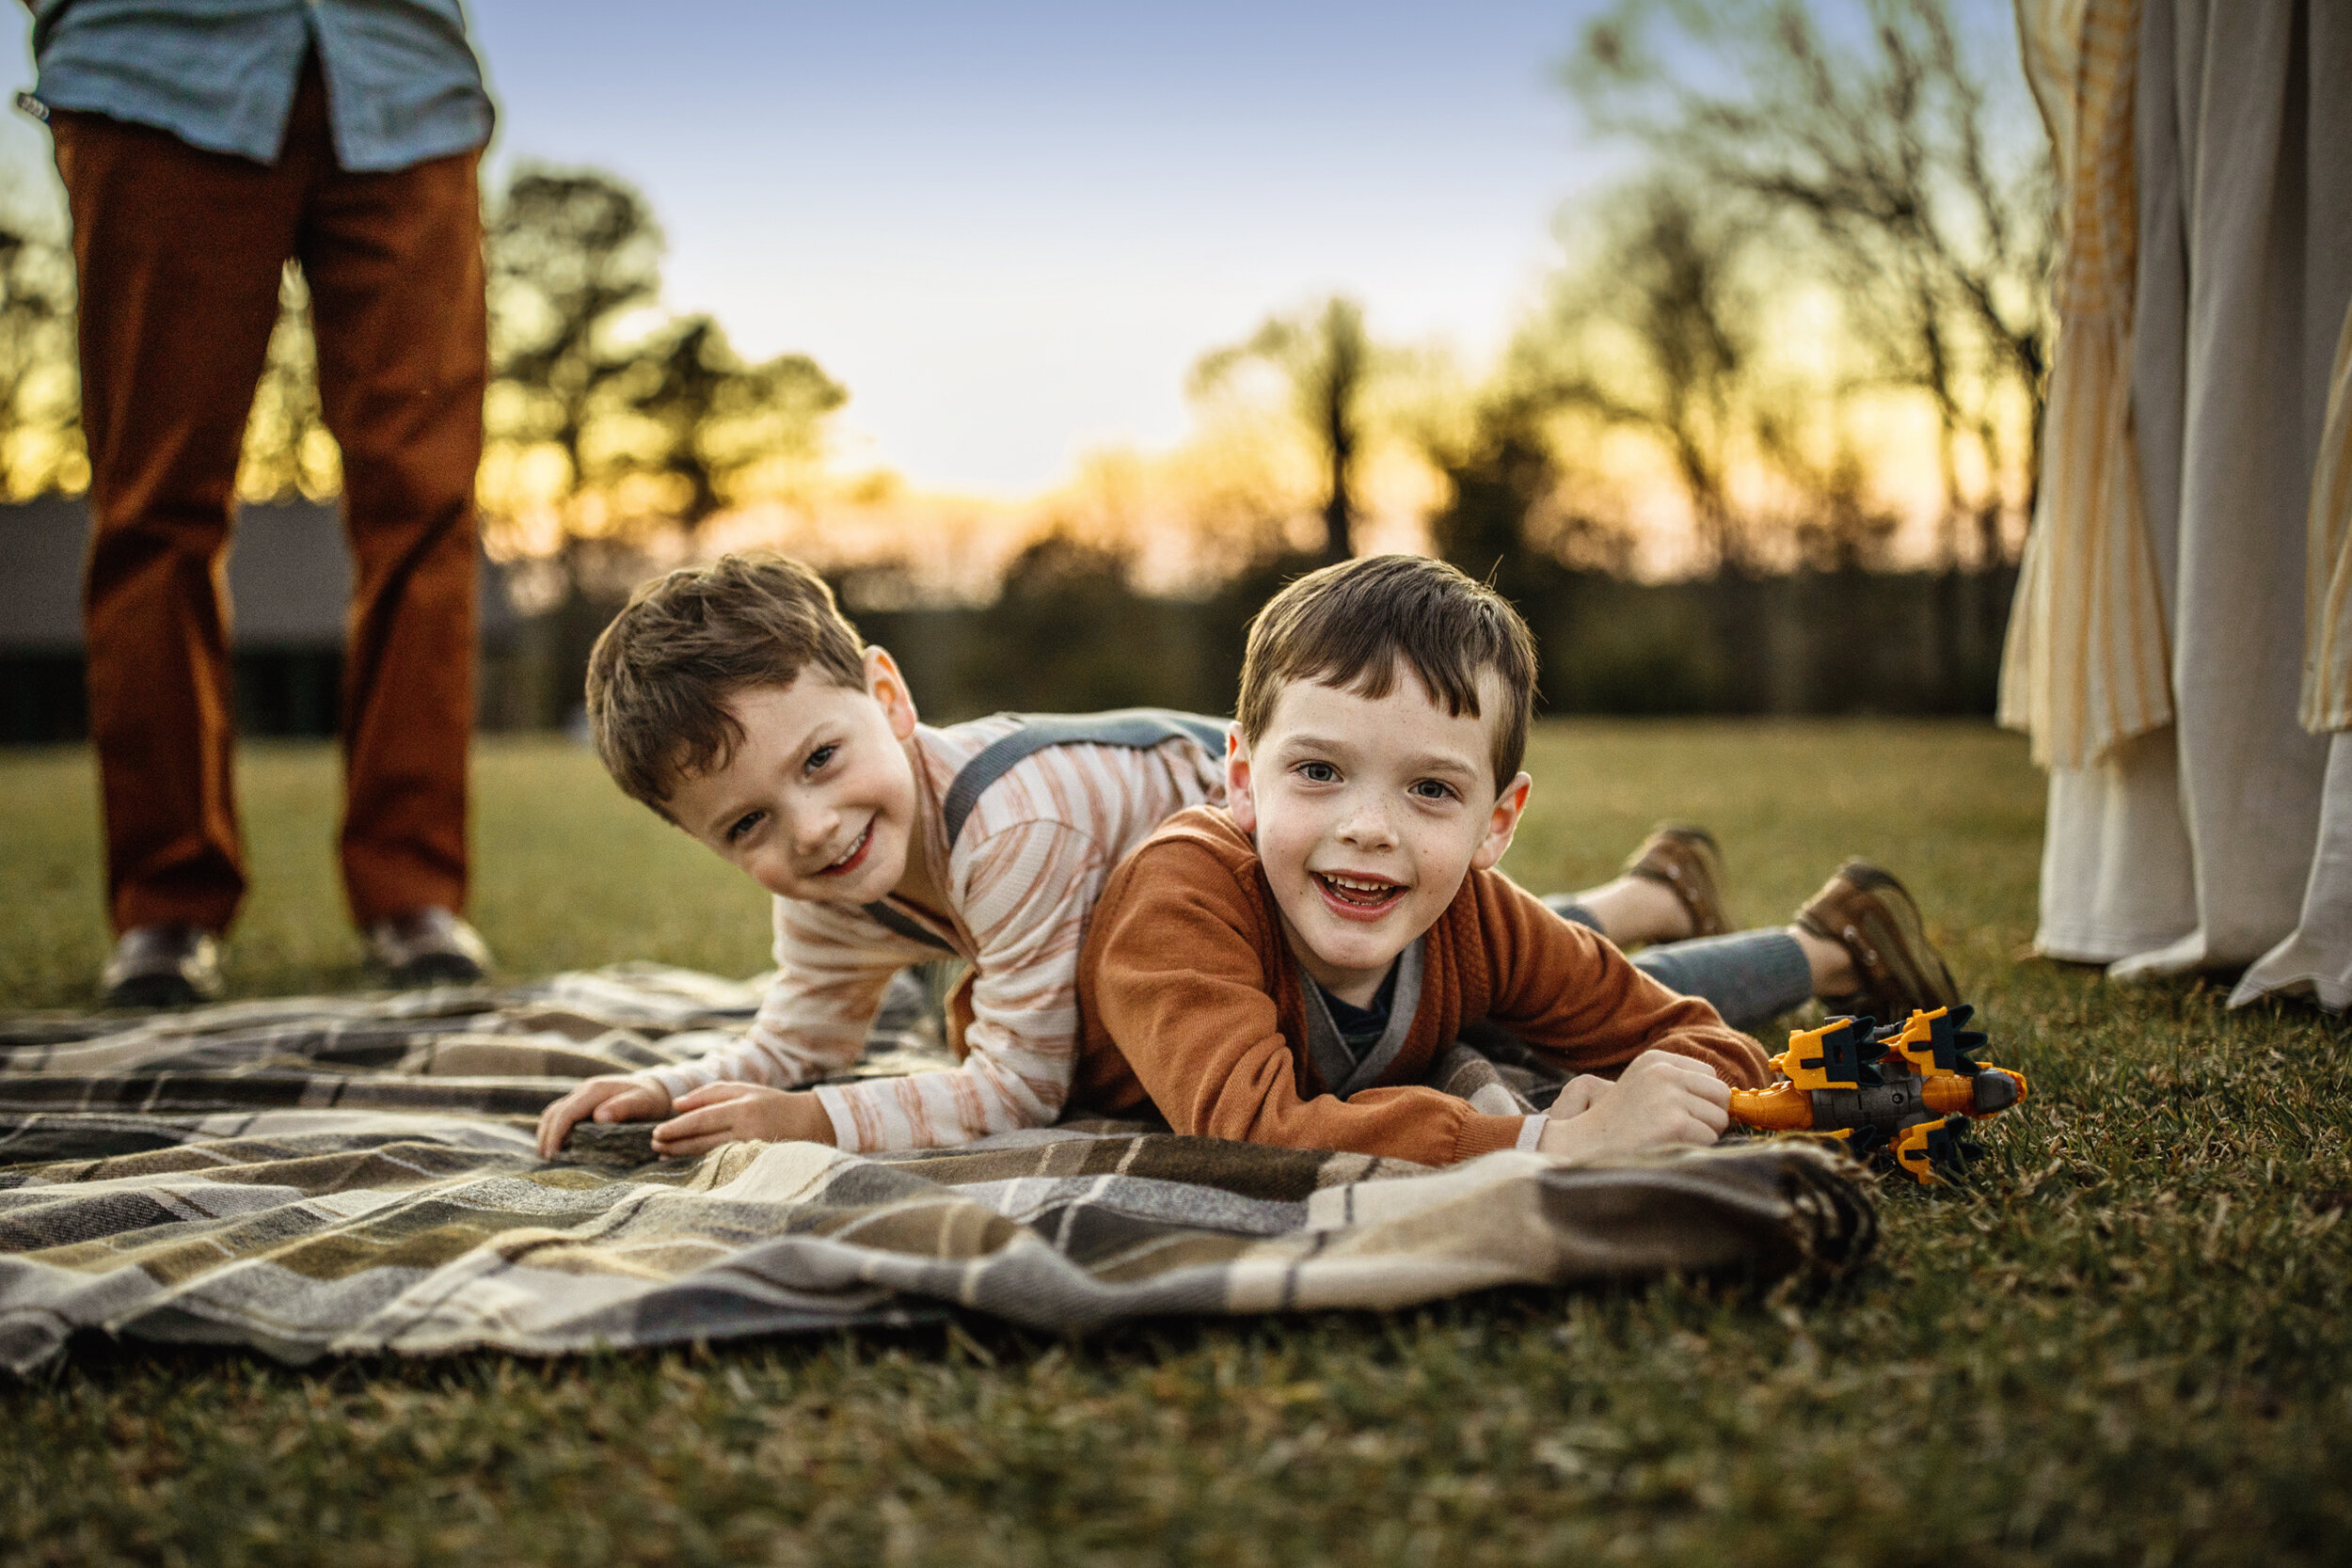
column 1009, row 229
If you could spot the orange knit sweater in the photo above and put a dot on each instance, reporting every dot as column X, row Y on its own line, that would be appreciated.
column 1190, row 999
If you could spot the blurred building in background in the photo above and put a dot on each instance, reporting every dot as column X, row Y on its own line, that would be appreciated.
column 289, row 580
column 1068, row 631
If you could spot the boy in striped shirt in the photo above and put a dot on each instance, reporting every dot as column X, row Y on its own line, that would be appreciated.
column 736, row 701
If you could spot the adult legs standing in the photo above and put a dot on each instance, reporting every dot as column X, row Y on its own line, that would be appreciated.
column 180, row 253
column 2192, row 847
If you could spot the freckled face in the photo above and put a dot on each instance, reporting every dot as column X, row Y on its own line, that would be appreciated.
column 818, row 800
column 1368, row 814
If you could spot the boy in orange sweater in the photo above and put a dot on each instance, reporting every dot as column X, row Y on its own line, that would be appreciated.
column 1287, row 968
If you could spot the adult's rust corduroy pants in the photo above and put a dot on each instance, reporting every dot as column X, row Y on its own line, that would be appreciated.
column 180, row 253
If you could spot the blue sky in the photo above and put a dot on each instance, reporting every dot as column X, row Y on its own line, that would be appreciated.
column 1010, row 229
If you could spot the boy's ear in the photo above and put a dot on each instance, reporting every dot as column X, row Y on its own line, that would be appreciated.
column 1237, row 801
column 1502, row 824
column 887, row 686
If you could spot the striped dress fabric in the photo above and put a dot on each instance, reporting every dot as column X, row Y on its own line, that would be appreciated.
column 2088, row 661
column 1022, row 879
column 2326, row 703
column 2223, row 840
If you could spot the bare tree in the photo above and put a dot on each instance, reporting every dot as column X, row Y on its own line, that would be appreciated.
column 716, row 418
column 1838, row 527
column 40, row 420
column 1510, row 517
column 1885, row 152
column 572, row 257
column 1327, row 359
column 583, row 363
column 1657, row 334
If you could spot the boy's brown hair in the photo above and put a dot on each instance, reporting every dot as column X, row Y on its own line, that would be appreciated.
column 659, row 676
column 1347, row 626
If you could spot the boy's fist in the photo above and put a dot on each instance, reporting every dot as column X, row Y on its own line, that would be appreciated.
column 1579, row 1095
column 605, row 1099
column 1661, row 1101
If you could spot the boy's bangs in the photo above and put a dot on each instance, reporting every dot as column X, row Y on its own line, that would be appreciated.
column 1349, row 626
column 1372, row 674
column 660, row 676
column 700, row 749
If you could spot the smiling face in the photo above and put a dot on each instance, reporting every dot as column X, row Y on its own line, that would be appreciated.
column 1368, row 814
column 817, row 799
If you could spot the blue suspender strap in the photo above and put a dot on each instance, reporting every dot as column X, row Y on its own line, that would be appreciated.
column 1141, row 728
column 905, row 928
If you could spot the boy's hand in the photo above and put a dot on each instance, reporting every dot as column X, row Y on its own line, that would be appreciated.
column 1661, row 1101
column 605, row 1100
column 728, row 1113
column 1579, row 1095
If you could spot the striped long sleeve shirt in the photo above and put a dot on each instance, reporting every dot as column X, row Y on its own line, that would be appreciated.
column 1022, row 879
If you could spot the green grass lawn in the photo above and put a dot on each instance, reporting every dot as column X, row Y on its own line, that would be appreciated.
column 2125, row 1340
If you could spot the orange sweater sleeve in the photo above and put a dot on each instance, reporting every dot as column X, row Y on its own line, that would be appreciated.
column 1562, row 987
column 1182, row 985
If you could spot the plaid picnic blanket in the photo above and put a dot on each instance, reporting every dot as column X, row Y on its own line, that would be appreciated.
column 354, row 1175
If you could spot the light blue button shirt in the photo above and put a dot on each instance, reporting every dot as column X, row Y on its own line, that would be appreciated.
column 402, row 82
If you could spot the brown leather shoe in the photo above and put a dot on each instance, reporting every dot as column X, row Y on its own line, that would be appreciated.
column 430, row 946
column 1866, row 911
column 1688, row 862
column 169, row 964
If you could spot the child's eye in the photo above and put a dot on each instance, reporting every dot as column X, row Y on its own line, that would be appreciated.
column 742, row 825
column 1318, row 772
column 1434, row 789
column 817, row 758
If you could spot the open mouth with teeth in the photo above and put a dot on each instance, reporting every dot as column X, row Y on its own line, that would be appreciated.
column 1355, row 898
column 854, row 857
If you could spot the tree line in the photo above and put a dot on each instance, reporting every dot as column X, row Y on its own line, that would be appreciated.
column 607, row 419
column 1845, row 156
column 1859, row 161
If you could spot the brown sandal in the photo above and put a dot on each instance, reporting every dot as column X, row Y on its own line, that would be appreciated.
column 1687, row 860
column 1873, row 917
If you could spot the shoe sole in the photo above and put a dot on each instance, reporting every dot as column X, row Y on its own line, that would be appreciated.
column 435, row 969
column 153, row 993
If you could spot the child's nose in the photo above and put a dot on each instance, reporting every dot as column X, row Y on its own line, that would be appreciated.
column 812, row 828
column 1366, row 822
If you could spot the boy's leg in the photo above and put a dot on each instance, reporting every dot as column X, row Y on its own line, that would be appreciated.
column 1860, row 943
column 1894, row 965
column 1669, row 890
column 1751, row 977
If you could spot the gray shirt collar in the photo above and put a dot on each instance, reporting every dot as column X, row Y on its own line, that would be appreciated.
column 1340, row 1072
